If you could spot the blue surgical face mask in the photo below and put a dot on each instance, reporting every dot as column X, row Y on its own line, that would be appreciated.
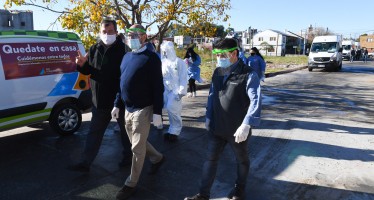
column 134, row 44
column 223, row 62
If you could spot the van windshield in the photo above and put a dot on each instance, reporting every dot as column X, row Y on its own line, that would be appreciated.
column 347, row 47
column 324, row 47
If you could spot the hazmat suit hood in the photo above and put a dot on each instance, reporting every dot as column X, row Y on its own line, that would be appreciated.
column 167, row 51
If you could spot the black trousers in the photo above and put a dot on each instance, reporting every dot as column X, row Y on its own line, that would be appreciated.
column 216, row 145
column 99, row 122
column 192, row 85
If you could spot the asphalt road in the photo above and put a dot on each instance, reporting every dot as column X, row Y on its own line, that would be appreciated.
column 316, row 141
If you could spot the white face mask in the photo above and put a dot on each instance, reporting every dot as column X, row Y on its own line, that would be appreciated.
column 108, row 39
column 223, row 62
column 134, row 44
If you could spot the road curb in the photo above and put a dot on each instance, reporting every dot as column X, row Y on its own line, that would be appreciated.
column 268, row 75
column 206, row 85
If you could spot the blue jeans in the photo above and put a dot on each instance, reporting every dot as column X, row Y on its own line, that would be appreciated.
column 99, row 122
column 365, row 58
column 216, row 146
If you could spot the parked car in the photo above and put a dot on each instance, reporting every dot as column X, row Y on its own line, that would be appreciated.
column 371, row 54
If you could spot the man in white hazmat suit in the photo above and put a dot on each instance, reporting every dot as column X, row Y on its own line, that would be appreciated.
column 174, row 71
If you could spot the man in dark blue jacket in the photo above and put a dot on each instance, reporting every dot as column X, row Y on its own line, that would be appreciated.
column 102, row 63
column 142, row 91
column 234, row 106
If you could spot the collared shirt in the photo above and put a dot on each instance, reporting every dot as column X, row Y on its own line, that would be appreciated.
column 253, row 90
column 141, row 49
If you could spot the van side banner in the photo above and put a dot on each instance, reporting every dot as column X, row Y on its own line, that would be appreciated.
column 37, row 59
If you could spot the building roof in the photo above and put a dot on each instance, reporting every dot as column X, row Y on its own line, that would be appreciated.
column 279, row 32
column 294, row 35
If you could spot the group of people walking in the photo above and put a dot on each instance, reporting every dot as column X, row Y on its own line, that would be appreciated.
column 357, row 54
column 133, row 87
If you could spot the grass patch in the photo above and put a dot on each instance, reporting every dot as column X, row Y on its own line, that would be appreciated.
column 287, row 60
column 273, row 63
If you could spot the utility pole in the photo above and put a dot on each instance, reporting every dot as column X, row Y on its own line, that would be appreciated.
column 252, row 38
column 305, row 39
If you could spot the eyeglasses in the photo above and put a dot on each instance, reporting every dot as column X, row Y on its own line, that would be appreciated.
column 134, row 35
column 224, row 55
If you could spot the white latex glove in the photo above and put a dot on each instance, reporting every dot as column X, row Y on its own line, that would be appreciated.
column 207, row 122
column 241, row 133
column 178, row 97
column 157, row 120
column 115, row 113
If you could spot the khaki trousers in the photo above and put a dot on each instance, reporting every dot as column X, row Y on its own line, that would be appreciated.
column 137, row 126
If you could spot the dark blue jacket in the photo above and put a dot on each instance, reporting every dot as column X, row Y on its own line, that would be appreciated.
column 141, row 81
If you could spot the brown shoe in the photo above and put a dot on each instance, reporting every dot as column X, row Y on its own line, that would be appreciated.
column 125, row 192
column 197, row 197
column 154, row 167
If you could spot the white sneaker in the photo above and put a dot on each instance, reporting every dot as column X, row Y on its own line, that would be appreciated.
column 194, row 94
column 189, row 94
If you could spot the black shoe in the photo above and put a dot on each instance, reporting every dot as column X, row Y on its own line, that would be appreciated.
column 125, row 162
column 125, row 192
column 197, row 197
column 236, row 193
column 166, row 136
column 80, row 167
column 173, row 138
column 154, row 167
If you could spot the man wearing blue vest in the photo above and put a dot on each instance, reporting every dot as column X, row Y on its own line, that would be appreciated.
column 234, row 107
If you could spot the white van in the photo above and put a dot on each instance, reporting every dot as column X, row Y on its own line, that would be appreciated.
column 347, row 45
column 39, row 81
column 326, row 52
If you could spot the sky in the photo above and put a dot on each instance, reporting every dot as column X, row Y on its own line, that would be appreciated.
column 339, row 16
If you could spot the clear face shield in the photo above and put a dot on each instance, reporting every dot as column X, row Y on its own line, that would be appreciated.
column 133, row 38
column 224, row 56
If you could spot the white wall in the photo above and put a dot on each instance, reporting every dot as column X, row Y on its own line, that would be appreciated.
column 278, row 44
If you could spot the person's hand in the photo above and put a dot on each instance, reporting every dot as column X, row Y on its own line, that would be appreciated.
column 115, row 113
column 263, row 77
column 80, row 59
column 157, row 120
column 242, row 133
column 207, row 122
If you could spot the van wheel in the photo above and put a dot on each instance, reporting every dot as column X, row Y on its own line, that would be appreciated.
column 310, row 69
column 66, row 119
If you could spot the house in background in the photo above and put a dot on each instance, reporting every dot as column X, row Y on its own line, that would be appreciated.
column 16, row 20
column 276, row 43
column 367, row 42
column 295, row 43
column 270, row 42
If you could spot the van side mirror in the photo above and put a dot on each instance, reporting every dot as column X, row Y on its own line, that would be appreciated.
column 340, row 50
